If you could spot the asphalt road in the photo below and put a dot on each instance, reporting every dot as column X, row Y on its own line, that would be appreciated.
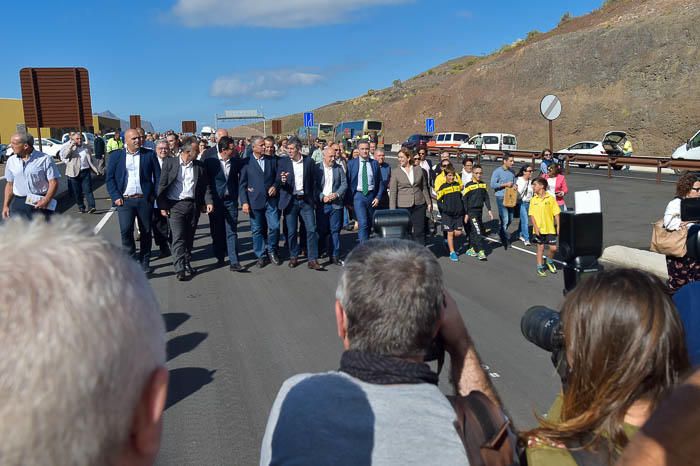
column 234, row 338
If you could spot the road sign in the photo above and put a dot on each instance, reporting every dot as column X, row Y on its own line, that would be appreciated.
column 189, row 126
column 550, row 107
column 276, row 126
column 242, row 114
column 134, row 121
column 308, row 119
column 430, row 125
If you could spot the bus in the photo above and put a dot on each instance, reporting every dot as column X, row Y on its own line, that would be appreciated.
column 354, row 130
column 321, row 131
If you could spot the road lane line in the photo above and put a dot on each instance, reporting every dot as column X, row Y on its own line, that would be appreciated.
column 517, row 248
column 103, row 221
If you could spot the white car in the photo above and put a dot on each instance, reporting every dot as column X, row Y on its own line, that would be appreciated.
column 690, row 150
column 49, row 146
column 584, row 148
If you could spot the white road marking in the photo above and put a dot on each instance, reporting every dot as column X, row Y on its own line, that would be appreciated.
column 517, row 248
column 103, row 221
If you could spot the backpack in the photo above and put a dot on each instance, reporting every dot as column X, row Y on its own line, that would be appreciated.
column 485, row 431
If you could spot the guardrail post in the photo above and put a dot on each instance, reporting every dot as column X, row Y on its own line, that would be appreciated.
column 609, row 168
column 658, row 171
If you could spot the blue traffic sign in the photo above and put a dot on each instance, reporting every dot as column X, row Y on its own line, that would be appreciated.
column 308, row 119
column 430, row 125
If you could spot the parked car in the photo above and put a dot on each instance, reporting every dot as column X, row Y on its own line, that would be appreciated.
column 49, row 146
column 493, row 141
column 416, row 141
column 446, row 141
column 87, row 137
column 585, row 148
column 612, row 145
column 688, row 151
column 3, row 151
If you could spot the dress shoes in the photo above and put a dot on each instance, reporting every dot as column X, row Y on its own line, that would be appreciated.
column 235, row 267
column 189, row 269
column 293, row 262
column 220, row 261
column 275, row 258
column 181, row 277
column 337, row 261
column 165, row 252
column 262, row 262
column 314, row 265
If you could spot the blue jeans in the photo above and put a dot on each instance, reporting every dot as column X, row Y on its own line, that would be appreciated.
column 525, row 220
column 257, row 223
column 364, row 213
column 329, row 221
column 295, row 209
column 506, row 216
column 224, row 222
column 82, row 185
column 132, row 210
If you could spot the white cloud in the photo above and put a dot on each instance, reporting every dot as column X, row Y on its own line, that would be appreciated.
column 269, row 84
column 271, row 13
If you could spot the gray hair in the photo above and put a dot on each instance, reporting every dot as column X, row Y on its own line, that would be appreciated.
column 25, row 138
column 81, row 335
column 162, row 142
column 379, row 150
column 294, row 142
column 255, row 139
column 392, row 294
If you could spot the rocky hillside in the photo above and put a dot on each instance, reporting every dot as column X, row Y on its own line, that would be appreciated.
column 632, row 65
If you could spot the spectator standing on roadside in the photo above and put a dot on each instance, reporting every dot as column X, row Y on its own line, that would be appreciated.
column 479, row 141
column 547, row 161
column 525, row 192
column 173, row 144
column 132, row 177
column 557, row 184
column 202, row 150
column 100, row 152
column 449, row 198
column 331, row 187
column 366, row 187
column 686, row 269
column 627, row 151
column 466, row 175
column 385, row 170
column 372, row 147
column 392, row 411
column 475, row 196
column 80, row 164
column 317, row 153
column 502, row 178
column 29, row 172
column 161, row 230
column 115, row 143
column 625, row 351
column 83, row 377
column 147, row 143
column 283, row 148
column 544, row 216
column 408, row 189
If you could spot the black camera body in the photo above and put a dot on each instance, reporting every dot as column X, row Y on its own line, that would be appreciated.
column 690, row 212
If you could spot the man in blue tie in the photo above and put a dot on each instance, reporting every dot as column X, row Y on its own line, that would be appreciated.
column 366, row 187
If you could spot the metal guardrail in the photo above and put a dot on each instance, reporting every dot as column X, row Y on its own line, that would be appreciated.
column 611, row 162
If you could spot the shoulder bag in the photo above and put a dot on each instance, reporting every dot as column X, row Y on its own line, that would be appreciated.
column 669, row 243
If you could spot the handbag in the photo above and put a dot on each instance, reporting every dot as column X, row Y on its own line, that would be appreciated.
column 669, row 243
column 510, row 197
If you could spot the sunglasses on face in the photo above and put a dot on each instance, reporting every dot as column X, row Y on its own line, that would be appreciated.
column 697, row 190
column 528, row 170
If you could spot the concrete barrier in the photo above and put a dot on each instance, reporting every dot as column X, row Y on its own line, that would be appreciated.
column 622, row 256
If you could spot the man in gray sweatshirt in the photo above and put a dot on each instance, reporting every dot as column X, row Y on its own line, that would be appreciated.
column 383, row 406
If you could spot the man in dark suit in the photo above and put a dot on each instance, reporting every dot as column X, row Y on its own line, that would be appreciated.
column 366, row 187
column 258, row 196
column 213, row 151
column 385, row 170
column 297, row 176
column 183, row 191
column 331, row 185
column 223, row 172
column 132, row 175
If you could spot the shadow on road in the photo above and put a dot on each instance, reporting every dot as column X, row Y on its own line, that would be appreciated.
column 174, row 319
column 186, row 381
column 184, row 344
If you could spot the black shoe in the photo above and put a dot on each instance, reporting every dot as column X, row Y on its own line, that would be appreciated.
column 92, row 210
column 337, row 261
column 235, row 267
column 181, row 277
column 275, row 258
column 82, row 210
column 164, row 253
column 314, row 265
column 262, row 262
column 191, row 270
column 220, row 261
column 293, row 262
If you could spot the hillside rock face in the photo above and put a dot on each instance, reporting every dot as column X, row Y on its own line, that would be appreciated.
column 632, row 66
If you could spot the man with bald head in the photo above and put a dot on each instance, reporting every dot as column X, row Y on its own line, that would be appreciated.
column 213, row 152
column 132, row 175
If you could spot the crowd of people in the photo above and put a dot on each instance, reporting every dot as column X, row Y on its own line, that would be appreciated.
column 629, row 395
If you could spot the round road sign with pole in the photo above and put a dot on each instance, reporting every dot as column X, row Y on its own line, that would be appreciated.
column 550, row 108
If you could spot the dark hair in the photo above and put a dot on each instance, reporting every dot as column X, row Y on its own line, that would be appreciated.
column 543, row 151
column 224, row 142
column 684, row 183
column 474, row 167
column 625, row 342
column 467, row 159
column 449, row 171
column 507, row 155
column 542, row 181
column 554, row 167
column 522, row 169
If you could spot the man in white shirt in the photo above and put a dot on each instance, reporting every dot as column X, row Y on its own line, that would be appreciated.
column 183, row 191
column 161, row 230
column 331, row 186
column 80, row 163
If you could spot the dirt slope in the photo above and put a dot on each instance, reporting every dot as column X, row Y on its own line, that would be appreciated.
column 633, row 65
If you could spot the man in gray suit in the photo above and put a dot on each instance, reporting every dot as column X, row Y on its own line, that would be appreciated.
column 332, row 184
column 80, row 164
column 183, row 192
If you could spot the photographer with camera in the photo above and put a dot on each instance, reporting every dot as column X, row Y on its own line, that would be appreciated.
column 686, row 269
column 383, row 406
column 620, row 349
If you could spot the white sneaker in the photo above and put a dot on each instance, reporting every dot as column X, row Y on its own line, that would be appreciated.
column 526, row 243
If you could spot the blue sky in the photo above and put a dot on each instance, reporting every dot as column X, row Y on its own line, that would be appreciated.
column 189, row 59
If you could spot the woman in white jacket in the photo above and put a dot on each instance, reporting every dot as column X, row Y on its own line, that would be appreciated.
column 681, row 270
column 524, row 187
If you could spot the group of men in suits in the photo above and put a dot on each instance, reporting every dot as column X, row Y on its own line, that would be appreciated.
column 147, row 188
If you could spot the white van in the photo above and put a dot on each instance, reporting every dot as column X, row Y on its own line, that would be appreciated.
column 493, row 141
column 449, row 140
column 690, row 150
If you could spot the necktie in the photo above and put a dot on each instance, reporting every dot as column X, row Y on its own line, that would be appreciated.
column 365, row 178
